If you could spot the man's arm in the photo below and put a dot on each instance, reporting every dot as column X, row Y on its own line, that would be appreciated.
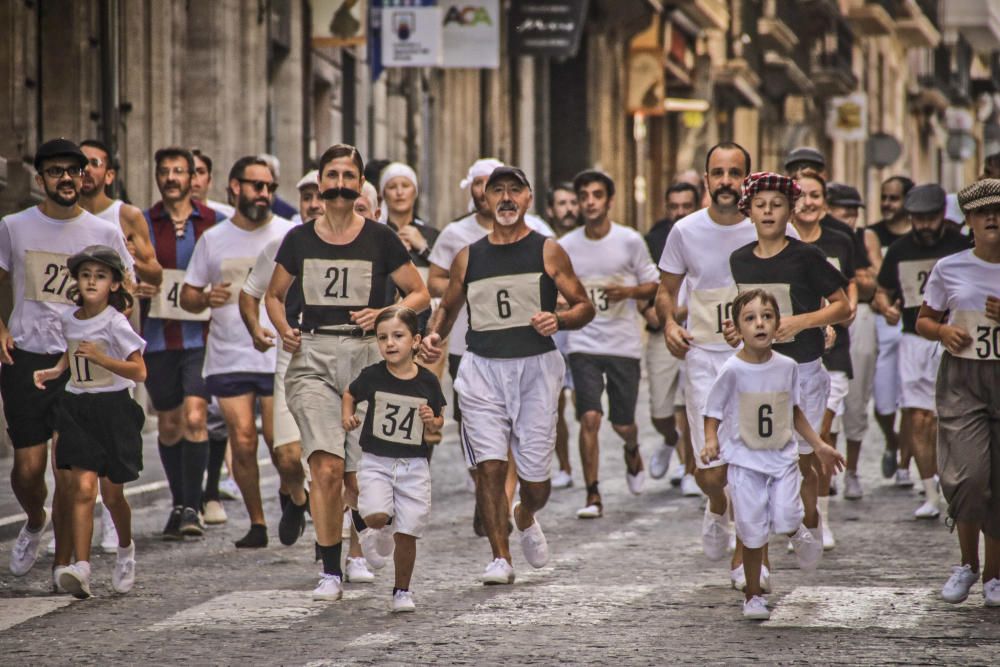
column 678, row 339
column 437, row 280
column 580, row 311
column 139, row 244
column 274, row 302
column 6, row 340
column 452, row 299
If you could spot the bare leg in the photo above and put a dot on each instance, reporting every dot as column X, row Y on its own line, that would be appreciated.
column 590, row 424
column 493, row 505
column 924, row 432
column 991, row 566
column 114, row 499
column 238, row 414
column 712, row 482
column 562, row 434
column 27, row 479
column 83, row 495
column 968, row 542
column 404, row 557
column 326, row 499
column 809, row 489
column 752, row 559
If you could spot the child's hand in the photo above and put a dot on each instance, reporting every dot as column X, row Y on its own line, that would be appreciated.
column 832, row 460
column 710, row 452
column 351, row 422
column 427, row 416
column 47, row 375
column 90, row 350
column 730, row 333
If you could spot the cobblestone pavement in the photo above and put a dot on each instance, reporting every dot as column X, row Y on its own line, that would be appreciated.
column 631, row 588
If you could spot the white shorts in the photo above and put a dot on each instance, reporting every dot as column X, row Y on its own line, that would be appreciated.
column 663, row 371
column 511, row 403
column 887, row 366
column 400, row 488
column 702, row 368
column 838, row 392
column 814, row 389
column 764, row 505
column 864, row 350
column 561, row 339
column 919, row 359
column 286, row 431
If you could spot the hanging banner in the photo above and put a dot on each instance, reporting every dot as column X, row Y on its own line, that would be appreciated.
column 548, row 28
column 470, row 33
column 411, row 36
column 847, row 117
column 338, row 23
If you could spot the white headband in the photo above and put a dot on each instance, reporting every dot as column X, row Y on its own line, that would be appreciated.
column 394, row 169
column 482, row 167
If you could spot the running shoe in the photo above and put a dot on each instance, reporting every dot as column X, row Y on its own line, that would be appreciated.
column 689, row 487
column 928, row 510
column 829, row 542
column 755, row 609
column 562, row 480
column 534, row 544
column 635, row 473
column 715, row 530
column 229, row 489
column 123, row 577
column 329, row 589
column 50, row 549
column 677, row 475
column 852, row 486
column 191, row 525
column 214, row 513
column 956, row 589
column 402, row 602
column 808, row 550
column 256, row 537
column 25, row 551
column 889, row 463
column 659, row 464
column 903, row 479
column 293, row 522
column 498, row 572
column 75, row 579
column 991, row 593
column 369, row 538
column 356, row 571
column 738, row 578
column 109, row 534
column 172, row 531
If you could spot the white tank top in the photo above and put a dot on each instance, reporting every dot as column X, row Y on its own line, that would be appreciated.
column 111, row 213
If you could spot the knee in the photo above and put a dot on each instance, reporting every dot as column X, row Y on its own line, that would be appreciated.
column 327, row 471
column 243, row 440
column 665, row 426
column 85, row 488
column 351, row 483
column 114, row 499
column 288, row 458
column 590, row 421
column 195, row 417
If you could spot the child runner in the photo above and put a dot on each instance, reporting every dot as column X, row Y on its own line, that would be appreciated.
column 99, row 425
column 752, row 409
column 966, row 286
column 394, row 477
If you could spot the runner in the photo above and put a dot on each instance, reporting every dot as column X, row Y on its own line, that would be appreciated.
column 201, row 184
column 99, row 425
column 966, row 288
column 343, row 262
column 509, row 380
column 902, row 281
column 804, row 157
column 235, row 372
column 615, row 268
column 34, row 246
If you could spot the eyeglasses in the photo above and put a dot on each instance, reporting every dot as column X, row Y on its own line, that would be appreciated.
column 57, row 172
column 168, row 171
column 95, row 162
column 260, row 186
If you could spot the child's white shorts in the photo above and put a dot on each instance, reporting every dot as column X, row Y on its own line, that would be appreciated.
column 765, row 504
column 400, row 488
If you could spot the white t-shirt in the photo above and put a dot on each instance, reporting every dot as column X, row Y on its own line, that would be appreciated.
column 620, row 258
column 33, row 250
column 225, row 210
column 453, row 238
column 112, row 212
column 754, row 404
column 226, row 253
column 960, row 284
column 263, row 269
column 111, row 331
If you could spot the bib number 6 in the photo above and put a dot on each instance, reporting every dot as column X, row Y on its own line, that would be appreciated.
column 503, row 304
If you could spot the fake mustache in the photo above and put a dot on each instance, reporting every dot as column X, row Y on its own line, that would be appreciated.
column 334, row 193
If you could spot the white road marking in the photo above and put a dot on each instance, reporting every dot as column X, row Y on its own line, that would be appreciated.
column 845, row 607
column 246, row 610
column 14, row 611
column 553, row 605
column 375, row 639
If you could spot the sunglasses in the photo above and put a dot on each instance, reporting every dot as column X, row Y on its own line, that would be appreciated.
column 260, row 186
column 57, row 172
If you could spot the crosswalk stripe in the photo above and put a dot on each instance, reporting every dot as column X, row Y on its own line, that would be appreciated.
column 14, row 611
column 553, row 605
column 246, row 610
column 847, row 607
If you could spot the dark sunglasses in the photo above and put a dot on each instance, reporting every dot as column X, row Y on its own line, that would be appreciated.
column 260, row 186
column 57, row 172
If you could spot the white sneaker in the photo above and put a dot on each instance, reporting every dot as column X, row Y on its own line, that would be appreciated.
column 56, row 588
column 109, row 534
column 991, row 593
column 808, row 550
column 229, row 489
column 659, row 464
column 402, row 601
column 594, row 511
column 533, row 544
column 956, row 589
column 738, row 578
column 928, row 510
column 765, row 578
column 755, row 609
column 356, row 571
column 369, row 540
column 123, row 577
column 689, row 487
column 852, row 486
column 829, row 542
column 636, row 482
column 677, row 474
column 214, row 513
column 75, row 579
column 715, row 531
column 562, row 480
column 498, row 572
column 385, row 542
column 25, row 551
column 903, row 479
column 329, row 589
column 50, row 548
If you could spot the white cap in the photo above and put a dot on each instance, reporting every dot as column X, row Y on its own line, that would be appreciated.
column 310, row 178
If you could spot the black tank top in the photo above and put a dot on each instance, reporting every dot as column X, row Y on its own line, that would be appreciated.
column 505, row 285
column 885, row 236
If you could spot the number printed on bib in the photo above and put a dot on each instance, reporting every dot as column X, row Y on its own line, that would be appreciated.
column 235, row 271
column 336, row 282
column 46, row 277
column 396, row 418
column 765, row 419
column 913, row 277
column 83, row 372
column 782, row 294
column 166, row 305
column 707, row 310
column 985, row 334
column 604, row 307
column 504, row 302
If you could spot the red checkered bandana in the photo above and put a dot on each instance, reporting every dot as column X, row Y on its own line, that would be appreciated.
column 767, row 180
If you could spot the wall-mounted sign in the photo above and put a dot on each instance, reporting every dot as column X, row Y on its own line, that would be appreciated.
column 847, row 117
column 646, row 89
column 411, row 36
column 550, row 28
column 470, row 33
column 338, row 23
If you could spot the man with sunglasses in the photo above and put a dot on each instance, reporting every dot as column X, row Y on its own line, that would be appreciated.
column 34, row 246
column 235, row 372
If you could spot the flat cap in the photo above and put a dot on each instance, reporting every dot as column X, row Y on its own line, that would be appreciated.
column 980, row 194
column 311, row 177
column 926, row 198
column 508, row 172
column 840, row 194
column 59, row 148
column 101, row 254
column 805, row 154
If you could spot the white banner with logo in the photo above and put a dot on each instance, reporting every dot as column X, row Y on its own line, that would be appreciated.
column 411, row 36
column 470, row 32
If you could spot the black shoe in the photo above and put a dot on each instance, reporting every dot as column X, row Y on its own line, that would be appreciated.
column 172, row 531
column 256, row 537
column 190, row 523
column 283, row 500
column 889, row 463
column 293, row 522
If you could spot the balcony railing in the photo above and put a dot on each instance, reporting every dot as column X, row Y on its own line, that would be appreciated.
column 832, row 60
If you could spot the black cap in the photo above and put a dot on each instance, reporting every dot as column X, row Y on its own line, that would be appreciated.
column 512, row 172
column 805, row 154
column 839, row 194
column 96, row 253
column 59, row 148
column 926, row 198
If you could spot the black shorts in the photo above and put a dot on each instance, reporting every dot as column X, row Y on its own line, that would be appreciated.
column 228, row 385
column 173, row 375
column 101, row 432
column 30, row 411
column 453, row 361
column 623, row 373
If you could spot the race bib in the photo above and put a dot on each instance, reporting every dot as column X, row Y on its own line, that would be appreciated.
column 396, row 418
column 835, row 261
column 235, row 271
column 46, row 277
column 765, row 419
column 336, row 282
column 504, row 302
column 985, row 335
column 84, row 373
column 783, row 295
column 913, row 277
column 166, row 305
column 605, row 308
column 707, row 310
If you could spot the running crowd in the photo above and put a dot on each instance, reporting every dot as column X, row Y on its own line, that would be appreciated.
column 772, row 319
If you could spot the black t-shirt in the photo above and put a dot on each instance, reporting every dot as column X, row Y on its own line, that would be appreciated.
column 392, row 425
column 337, row 279
column 799, row 277
column 861, row 260
column 420, row 261
column 907, row 266
column 839, row 251
column 656, row 238
column 886, row 237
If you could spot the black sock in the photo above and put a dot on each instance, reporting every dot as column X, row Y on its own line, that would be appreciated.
column 331, row 558
column 195, row 459
column 170, row 457
column 359, row 522
column 216, row 457
column 592, row 490
column 397, row 590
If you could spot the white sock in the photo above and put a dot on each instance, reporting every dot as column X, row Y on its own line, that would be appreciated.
column 930, row 490
column 83, row 566
column 823, row 507
column 127, row 553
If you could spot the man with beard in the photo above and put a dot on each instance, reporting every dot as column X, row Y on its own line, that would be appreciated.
column 902, row 279
column 510, row 377
column 235, row 372
column 562, row 209
column 201, row 183
column 34, row 246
